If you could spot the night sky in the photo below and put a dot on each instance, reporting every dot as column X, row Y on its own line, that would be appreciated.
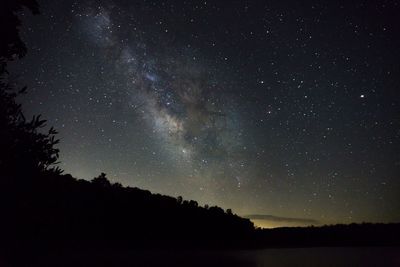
column 283, row 108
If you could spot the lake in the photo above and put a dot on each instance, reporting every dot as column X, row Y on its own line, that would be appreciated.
column 340, row 256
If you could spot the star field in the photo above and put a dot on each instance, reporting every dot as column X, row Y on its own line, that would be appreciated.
column 289, row 109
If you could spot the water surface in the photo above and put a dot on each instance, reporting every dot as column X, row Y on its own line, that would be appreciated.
column 340, row 256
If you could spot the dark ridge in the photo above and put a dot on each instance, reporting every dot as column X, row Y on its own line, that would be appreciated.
column 57, row 209
column 364, row 234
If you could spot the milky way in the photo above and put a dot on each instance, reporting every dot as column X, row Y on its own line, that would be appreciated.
column 192, row 115
column 274, row 109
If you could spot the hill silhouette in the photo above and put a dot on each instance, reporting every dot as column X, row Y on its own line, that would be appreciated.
column 58, row 209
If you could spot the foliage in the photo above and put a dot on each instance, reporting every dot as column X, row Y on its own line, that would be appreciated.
column 24, row 147
column 23, row 142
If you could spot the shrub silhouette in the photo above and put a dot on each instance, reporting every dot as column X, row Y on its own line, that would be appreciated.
column 22, row 142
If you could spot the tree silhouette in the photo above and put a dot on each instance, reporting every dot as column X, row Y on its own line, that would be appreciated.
column 101, row 180
column 22, row 141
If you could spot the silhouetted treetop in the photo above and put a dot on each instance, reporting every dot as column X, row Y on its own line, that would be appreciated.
column 101, row 180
